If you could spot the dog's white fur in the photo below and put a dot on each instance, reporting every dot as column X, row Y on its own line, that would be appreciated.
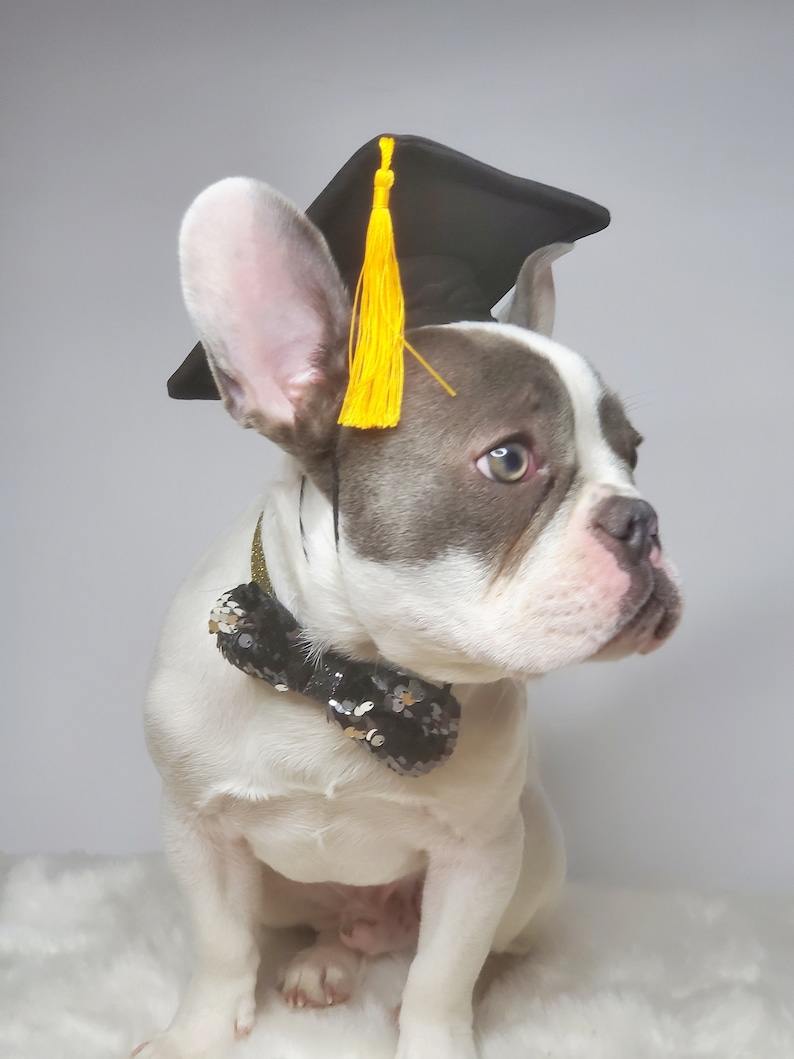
column 265, row 804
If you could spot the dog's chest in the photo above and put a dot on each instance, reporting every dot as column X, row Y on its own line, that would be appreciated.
column 356, row 841
column 317, row 809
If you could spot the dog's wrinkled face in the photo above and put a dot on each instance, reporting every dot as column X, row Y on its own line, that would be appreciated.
column 503, row 526
column 496, row 532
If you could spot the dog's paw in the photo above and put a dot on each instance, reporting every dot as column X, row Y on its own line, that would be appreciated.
column 320, row 976
column 158, row 1048
column 214, row 1013
column 164, row 1047
column 168, row 1046
column 202, row 1041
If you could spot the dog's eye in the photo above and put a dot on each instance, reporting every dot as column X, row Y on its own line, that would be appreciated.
column 509, row 462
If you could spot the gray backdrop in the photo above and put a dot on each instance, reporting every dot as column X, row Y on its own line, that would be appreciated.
column 674, row 769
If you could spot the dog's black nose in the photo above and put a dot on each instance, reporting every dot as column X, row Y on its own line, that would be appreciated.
column 632, row 522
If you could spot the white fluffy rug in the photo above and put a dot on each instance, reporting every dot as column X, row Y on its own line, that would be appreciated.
column 94, row 952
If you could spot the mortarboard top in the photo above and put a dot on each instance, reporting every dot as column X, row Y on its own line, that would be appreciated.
column 462, row 231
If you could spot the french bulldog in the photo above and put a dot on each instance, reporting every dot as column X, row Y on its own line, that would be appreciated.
column 487, row 539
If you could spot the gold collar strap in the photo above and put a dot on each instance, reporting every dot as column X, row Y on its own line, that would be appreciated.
column 258, row 565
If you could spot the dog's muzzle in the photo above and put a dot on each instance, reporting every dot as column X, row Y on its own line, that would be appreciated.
column 629, row 528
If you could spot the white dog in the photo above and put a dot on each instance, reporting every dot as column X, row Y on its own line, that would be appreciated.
column 488, row 539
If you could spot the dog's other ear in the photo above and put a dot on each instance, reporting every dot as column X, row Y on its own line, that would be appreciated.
column 533, row 300
column 266, row 298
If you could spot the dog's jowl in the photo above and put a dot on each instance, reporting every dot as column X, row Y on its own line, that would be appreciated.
column 356, row 756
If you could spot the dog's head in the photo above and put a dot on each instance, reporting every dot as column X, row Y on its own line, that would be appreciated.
column 496, row 532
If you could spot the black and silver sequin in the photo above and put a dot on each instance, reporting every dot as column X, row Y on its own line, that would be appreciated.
column 408, row 723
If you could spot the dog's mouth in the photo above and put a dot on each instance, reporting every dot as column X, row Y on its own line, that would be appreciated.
column 652, row 621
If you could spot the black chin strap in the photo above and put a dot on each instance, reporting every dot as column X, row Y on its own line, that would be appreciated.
column 335, row 493
column 300, row 518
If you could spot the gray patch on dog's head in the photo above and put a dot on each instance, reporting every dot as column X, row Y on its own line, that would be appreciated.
column 413, row 493
column 618, row 432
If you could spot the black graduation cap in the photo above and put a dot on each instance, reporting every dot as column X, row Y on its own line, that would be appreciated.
column 462, row 231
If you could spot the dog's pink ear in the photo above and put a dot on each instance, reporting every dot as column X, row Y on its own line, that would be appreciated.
column 534, row 302
column 266, row 298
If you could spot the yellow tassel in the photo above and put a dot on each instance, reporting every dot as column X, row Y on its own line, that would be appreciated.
column 374, row 393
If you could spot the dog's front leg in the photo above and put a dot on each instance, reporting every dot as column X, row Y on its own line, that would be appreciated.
column 467, row 889
column 221, row 882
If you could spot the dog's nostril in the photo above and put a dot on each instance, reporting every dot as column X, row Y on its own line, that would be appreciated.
column 631, row 521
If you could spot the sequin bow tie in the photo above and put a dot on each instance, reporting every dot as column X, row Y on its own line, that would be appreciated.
column 405, row 722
